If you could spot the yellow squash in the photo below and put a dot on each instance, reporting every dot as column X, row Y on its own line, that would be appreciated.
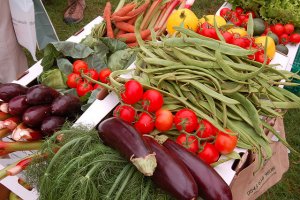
column 182, row 16
column 271, row 48
column 240, row 31
column 210, row 19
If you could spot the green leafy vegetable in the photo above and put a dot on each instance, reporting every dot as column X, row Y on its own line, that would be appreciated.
column 64, row 65
column 53, row 78
column 91, row 99
column 121, row 59
column 114, row 44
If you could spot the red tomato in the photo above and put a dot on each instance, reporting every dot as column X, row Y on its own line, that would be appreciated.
column 242, row 17
column 236, row 21
column 239, row 10
column 133, row 92
column 205, row 129
column 267, row 30
column 209, row 32
column 251, row 12
column 295, row 38
column 80, row 66
column 225, row 13
column 164, row 120
column 209, row 154
column 152, row 100
column 228, row 37
column 96, row 86
column 145, row 123
column 278, row 29
column 225, row 143
column 185, row 119
column 125, row 112
column 92, row 73
column 245, row 23
column 260, row 57
column 240, row 42
column 203, row 26
column 73, row 80
column 284, row 39
column 190, row 143
column 83, row 88
column 289, row 28
column 104, row 75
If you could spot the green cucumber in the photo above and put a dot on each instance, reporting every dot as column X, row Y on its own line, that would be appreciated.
column 274, row 37
column 282, row 49
column 258, row 26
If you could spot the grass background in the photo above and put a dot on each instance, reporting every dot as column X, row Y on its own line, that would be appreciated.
column 289, row 186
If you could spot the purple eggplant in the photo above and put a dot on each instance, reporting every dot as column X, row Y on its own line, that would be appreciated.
column 66, row 105
column 34, row 116
column 40, row 94
column 125, row 139
column 210, row 184
column 52, row 124
column 18, row 105
column 11, row 90
column 171, row 174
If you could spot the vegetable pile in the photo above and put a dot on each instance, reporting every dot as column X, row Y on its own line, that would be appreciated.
column 120, row 23
column 30, row 114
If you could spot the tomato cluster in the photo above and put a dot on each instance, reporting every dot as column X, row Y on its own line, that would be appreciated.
column 83, row 86
column 143, row 109
column 285, row 33
column 238, row 16
column 150, row 116
column 201, row 137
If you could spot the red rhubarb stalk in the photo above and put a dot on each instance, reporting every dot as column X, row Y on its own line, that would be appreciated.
column 168, row 13
column 4, row 153
column 4, row 132
column 23, row 132
column 182, row 5
column 149, row 15
column 20, row 146
column 4, row 107
column 16, row 167
column 4, row 116
column 189, row 3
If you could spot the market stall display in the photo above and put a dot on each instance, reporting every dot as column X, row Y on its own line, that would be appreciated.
column 186, row 104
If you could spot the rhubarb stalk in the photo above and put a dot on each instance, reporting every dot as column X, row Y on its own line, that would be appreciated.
column 10, row 123
column 168, row 13
column 20, row 146
column 16, row 167
column 153, row 8
column 4, row 132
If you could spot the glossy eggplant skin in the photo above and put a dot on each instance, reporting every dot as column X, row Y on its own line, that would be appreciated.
column 66, row 105
column 124, row 138
column 11, row 90
column 52, row 124
column 18, row 105
column 210, row 184
column 34, row 116
column 127, row 141
column 171, row 174
column 40, row 94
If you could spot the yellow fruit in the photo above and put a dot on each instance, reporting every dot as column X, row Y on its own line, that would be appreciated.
column 271, row 48
column 240, row 31
column 210, row 19
column 182, row 16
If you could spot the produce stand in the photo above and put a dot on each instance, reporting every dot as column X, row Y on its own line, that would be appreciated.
column 241, row 175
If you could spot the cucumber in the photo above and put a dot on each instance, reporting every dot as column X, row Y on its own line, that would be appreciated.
column 274, row 37
column 282, row 49
column 258, row 26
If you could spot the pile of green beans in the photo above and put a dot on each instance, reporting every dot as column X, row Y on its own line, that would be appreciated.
column 220, row 84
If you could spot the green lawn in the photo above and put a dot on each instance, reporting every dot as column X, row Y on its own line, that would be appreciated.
column 289, row 186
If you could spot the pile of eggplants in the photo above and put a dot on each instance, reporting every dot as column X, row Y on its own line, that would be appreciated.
column 38, row 108
column 177, row 171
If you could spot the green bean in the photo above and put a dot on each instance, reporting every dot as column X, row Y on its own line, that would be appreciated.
column 223, row 74
column 172, row 107
column 236, row 75
column 271, row 89
column 250, row 25
column 225, row 48
column 232, row 90
column 211, row 103
column 288, row 95
column 270, row 111
column 162, row 62
column 194, row 52
column 251, row 110
column 241, row 114
column 176, row 87
column 188, row 61
column 164, row 55
column 204, row 50
column 212, row 93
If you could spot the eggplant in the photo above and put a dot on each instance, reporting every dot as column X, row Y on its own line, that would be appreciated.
column 40, row 94
column 211, row 186
column 66, row 105
column 34, row 116
column 11, row 90
column 18, row 105
column 171, row 174
column 128, row 142
column 52, row 124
